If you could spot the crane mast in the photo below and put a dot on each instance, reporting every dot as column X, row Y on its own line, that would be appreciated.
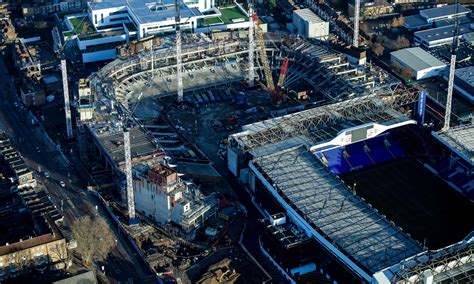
column 452, row 69
column 355, row 40
column 179, row 65
column 264, row 58
column 67, row 108
column 251, row 74
column 128, row 175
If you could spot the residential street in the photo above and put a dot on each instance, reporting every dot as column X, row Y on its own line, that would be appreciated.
column 73, row 200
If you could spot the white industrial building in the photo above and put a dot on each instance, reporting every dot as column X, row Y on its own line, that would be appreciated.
column 163, row 197
column 422, row 64
column 310, row 25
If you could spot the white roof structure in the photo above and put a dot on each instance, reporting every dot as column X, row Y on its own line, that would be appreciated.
column 460, row 139
column 308, row 15
column 345, row 220
column 315, row 126
column 417, row 58
column 148, row 11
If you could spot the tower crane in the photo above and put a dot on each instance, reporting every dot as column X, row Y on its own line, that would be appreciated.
column 264, row 58
column 179, row 65
column 452, row 69
column 126, row 115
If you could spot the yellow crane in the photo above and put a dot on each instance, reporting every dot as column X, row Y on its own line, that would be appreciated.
column 264, row 58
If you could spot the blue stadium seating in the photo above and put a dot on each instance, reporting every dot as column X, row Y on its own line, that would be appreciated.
column 358, row 158
column 459, row 174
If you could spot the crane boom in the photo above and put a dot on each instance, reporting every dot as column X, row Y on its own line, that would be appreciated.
column 283, row 70
column 263, row 56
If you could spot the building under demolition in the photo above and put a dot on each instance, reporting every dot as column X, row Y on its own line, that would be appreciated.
column 161, row 195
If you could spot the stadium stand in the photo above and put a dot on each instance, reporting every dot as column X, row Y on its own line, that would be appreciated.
column 361, row 155
column 456, row 172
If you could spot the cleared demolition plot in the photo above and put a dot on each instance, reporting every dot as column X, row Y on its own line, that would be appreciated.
column 421, row 203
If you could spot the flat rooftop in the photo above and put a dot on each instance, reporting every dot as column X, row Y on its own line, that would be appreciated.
column 111, row 139
column 314, row 126
column 149, row 11
column 445, row 11
column 441, row 33
column 415, row 21
column 417, row 58
column 466, row 74
column 330, row 207
column 308, row 15
column 460, row 139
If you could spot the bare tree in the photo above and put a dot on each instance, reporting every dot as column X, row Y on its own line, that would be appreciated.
column 400, row 42
column 94, row 239
column 378, row 49
column 406, row 73
column 401, row 20
column 58, row 253
column 395, row 23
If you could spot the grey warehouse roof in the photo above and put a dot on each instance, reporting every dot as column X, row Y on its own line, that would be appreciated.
column 440, row 33
column 460, row 139
column 329, row 206
column 149, row 11
column 444, row 11
column 415, row 21
column 417, row 59
column 466, row 74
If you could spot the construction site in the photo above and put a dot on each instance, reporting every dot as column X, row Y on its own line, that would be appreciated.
column 176, row 129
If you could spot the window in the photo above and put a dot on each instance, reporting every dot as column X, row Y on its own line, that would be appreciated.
column 119, row 19
column 95, row 19
column 101, row 18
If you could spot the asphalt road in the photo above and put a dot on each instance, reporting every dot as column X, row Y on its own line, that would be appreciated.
column 123, row 264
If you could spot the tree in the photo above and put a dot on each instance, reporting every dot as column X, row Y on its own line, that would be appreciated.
column 401, row 20
column 395, row 23
column 401, row 42
column 94, row 239
column 271, row 4
column 405, row 73
column 378, row 49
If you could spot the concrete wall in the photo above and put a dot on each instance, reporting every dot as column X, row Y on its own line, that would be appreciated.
column 83, row 44
column 151, row 201
column 310, row 29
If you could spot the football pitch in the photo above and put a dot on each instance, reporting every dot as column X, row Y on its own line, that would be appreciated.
column 416, row 200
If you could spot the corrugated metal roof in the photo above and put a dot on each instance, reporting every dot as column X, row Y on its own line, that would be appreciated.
column 417, row 59
column 308, row 15
column 445, row 11
column 327, row 204
column 469, row 37
column 445, row 32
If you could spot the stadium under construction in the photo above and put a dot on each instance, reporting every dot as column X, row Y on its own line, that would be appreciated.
column 320, row 166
